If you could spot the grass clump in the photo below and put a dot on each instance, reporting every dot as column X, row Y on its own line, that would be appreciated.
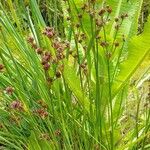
column 65, row 75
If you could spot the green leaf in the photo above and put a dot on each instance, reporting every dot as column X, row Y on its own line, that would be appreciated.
column 138, row 48
column 46, row 145
column 33, row 142
column 73, row 82
column 133, row 9
column 11, row 145
column 3, row 114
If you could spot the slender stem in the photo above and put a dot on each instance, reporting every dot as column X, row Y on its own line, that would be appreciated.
column 137, row 116
column 110, row 96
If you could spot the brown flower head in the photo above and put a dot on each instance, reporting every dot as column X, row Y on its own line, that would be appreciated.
column 46, row 66
column 17, row 105
column 30, row 39
column 39, row 51
column 58, row 132
column 9, row 90
column 1, row 67
column 101, row 12
column 41, row 113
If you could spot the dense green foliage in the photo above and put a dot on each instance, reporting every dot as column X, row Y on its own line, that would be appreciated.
column 65, row 70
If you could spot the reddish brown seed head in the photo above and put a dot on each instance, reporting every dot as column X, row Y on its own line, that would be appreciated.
column 16, row 105
column 56, row 44
column 60, row 49
column 67, row 44
column 102, row 11
column 1, row 125
column 104, row 44
column 108, row 55
column 47, row 53
column 116, row 19
column 9, row 90
column 44, row 61
column 83, row 65
column 30, row 39
column 58, row 74
column 1, row 67
column 50, row 34
column 39, row 51
column 49, row 29
column 46, row 58
column 60, row 54
column 116, row 44
column 109, row 10
column 41, row 113
column 46, row 66
column 99, row 23
column 57, row 132
column 77, row 25
column 49, row 80
column 34, row 45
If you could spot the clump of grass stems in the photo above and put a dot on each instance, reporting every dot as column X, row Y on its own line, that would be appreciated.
column 60, row 77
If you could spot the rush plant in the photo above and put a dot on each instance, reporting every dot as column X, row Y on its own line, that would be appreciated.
column 65, row 67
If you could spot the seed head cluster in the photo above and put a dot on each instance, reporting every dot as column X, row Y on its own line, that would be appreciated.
column 1, row 67
column 17, row 105
column 9, row 90
column 47, row 58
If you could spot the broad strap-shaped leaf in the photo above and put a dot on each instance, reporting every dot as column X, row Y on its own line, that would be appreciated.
column 73, row 82
column 138, row 48
column 133, row 9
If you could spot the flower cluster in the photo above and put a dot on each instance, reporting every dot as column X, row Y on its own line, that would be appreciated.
column 58, row 132
column 42, row 104
column 45, row 136
column 17, row 105
column 1, row 67
column 49, row 32
column 9, row 90
column 41, row 112
column 32, row 42
column 59, row 47
column 47, row 59
column 84, row 67
column 45, row 56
